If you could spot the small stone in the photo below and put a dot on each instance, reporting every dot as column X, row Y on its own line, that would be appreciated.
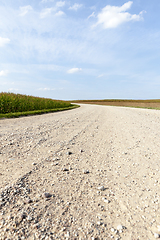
column 106, row 200
column 23, row 215
column 156, row 235
column 69, row 153
column 65, row 169
column 101, row 188
column 67, row 234
column 85, row 171
column 28, row 200
column 120, row 227
column 34, row 163
column 56, row 159
column 47, row 195
column 9, row 217
column 29, row 218
column 112, row 230
column 55, row 164
column 99, row 223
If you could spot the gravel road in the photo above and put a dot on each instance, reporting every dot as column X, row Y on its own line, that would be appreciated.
column 89, row 173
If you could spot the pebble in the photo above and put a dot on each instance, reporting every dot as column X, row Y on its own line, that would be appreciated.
column 47, row 195
column 65, row 169
column 85, row 171
column 101, row 188
column 99, row 223
column 156, row 235
column 23, row 215
column 55, row 164
column 56, row 159
column 29, row 218
column 106, row 200
column 28, row 200
column 67, row 234
column 69, row 153
column 120, row 227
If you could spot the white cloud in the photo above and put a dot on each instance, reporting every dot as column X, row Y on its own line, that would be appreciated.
column 60, row 4
column 4, row 41
column 46, row 12
column 74, row 70
column 46, row 89
column 92, row 15
column 76, row 6
column 113, row 16
column 3, row 73
column 24, row 10
column 59, row 13
column 13, row 89
column 101, row 75
column 45, row 1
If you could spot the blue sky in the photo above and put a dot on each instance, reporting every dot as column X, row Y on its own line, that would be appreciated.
column 80, row 49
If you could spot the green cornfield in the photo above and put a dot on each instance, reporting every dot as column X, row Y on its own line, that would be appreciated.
column 11, row 103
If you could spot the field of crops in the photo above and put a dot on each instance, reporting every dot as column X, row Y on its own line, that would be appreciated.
column 153, row 103
column 17, row 103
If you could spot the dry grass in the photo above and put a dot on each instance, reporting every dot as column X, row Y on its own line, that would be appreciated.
column 125, row 103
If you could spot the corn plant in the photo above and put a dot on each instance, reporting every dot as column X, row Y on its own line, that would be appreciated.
column 10, row 103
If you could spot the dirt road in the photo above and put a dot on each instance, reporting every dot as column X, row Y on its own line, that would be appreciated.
column 88, row 173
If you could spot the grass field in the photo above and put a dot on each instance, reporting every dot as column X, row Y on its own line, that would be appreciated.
column 15, row 105
column 153, row 103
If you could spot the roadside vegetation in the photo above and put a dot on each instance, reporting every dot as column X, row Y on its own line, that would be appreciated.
column 15, row 105
column 150, row 104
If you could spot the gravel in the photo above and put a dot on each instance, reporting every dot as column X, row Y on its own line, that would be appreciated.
column 109, row 190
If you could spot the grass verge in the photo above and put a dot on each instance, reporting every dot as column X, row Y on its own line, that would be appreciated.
column 36, row 112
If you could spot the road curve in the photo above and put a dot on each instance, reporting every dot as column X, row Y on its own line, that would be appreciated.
column 99, row 165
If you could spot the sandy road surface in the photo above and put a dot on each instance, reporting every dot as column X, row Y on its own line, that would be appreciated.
column 89, row 173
